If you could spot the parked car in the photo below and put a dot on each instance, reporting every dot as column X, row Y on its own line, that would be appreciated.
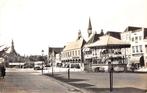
column 99, row 69
column 118, row 69
column 38, row 65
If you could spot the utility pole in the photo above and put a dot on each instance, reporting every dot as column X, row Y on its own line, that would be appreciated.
column 42, row 60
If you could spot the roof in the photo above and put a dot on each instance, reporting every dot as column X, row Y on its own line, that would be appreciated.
column 93, row 38
column 114, row 34
column 108, row 41
column 132, row 28
column 75, row 44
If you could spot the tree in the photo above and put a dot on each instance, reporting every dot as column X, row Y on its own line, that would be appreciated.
column 3, row 51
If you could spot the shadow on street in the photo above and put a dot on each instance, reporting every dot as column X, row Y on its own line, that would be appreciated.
column 92, row 88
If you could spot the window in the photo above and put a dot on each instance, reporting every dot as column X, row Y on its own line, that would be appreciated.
column 136, row 39
column 66, row 54
column 133, row 49
column 137, row 49
column 133, row 39
column 129, row 38
column 139, row 37
column 79, row 52
column 140, row 47
column 70, row 53
column 75, row 52
column 146, row 48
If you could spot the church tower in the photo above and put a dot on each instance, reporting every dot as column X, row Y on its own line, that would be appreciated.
column 89, row 30
column 12, row 48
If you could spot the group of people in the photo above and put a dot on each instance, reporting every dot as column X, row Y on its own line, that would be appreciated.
column 2, row 71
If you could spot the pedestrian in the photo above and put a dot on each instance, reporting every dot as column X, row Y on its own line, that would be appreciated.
column 3, row 71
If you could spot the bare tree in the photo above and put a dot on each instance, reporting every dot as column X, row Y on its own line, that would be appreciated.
column 3, row 51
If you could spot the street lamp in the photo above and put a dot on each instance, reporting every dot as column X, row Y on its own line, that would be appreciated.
column 53, row 60
column 42, row 60
column 111, row 74
column 52, row 68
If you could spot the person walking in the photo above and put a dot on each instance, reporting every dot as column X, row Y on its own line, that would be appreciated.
column 3, row 71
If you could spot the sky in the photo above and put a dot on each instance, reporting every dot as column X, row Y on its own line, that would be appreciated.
column 35, row 25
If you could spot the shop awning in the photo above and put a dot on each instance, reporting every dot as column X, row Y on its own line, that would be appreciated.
column 135, row 59
column 16, row 64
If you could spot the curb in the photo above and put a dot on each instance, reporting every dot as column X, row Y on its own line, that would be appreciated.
column 70, row 88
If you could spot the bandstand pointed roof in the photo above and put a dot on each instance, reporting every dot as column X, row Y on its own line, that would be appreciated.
column 108, row 41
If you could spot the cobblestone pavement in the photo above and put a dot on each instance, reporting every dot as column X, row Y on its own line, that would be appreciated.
column 29, row 81
column 99, row 82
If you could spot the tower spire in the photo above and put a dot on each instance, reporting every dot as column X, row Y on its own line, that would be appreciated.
column 89, row 30
column 89, row 25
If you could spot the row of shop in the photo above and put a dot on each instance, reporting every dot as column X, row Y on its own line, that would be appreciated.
column 101, row 49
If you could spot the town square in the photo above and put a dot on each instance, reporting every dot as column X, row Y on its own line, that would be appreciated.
column 73, row 46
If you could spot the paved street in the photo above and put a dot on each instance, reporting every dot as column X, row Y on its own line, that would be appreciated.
column 29, row 81
column 99, row 82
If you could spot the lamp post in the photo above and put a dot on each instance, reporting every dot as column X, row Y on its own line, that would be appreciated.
column 111, row 75
column 42, row 60
column 53, row 60
column 52, row 68
column 69, row 71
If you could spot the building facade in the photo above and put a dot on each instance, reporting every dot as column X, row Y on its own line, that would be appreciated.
column 72, row 55
column 137, row 53
column 54, row 56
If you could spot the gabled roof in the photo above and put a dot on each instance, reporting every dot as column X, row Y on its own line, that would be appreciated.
column 75, row 44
